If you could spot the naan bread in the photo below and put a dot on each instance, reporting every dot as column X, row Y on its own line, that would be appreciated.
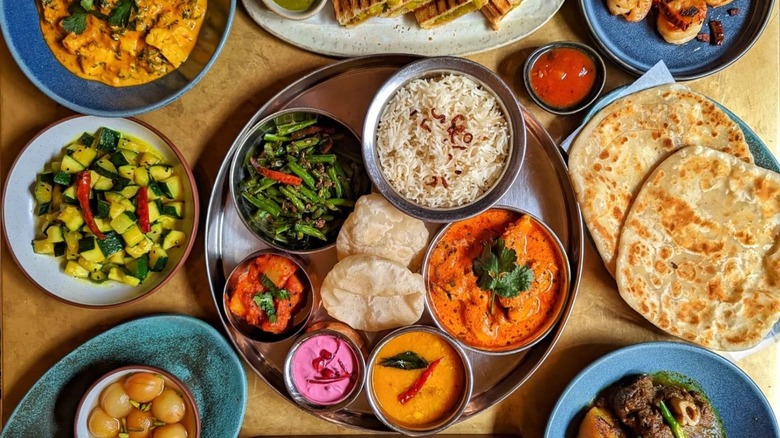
column 376, row 227
column 699, row 255
column 373, row 294
column 625, row 141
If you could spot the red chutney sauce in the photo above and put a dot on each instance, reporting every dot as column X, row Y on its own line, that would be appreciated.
column 563, row 77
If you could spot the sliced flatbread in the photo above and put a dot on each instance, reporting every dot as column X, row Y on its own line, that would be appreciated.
column 699, row 255
column 626, row 140
column 439, row 12
column 350, row 13
column 496, row 10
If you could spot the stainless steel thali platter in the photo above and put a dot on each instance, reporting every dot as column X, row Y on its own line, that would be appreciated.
column 345, row 90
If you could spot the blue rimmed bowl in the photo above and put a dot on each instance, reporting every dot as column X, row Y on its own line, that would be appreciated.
column 19, row 21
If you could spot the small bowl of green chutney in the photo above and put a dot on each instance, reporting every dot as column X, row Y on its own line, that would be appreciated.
column 295, row 9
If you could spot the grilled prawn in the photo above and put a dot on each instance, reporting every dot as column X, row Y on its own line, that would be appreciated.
column 631, row 10
column 679, row 21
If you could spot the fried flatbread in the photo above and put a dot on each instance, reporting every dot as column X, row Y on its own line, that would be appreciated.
column 496, row 10
column 439, row 12
column 350, row 13
column 626, row 140
column 699, row 255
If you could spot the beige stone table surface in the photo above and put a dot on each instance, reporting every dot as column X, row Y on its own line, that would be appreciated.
column 37, row 330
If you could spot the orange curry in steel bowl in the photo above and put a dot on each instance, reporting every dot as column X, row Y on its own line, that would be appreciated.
column 121, row 42
column 497, row 282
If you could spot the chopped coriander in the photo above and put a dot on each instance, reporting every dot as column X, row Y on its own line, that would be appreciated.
column 498, row 272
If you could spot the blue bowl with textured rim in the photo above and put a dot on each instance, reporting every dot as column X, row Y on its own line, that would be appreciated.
column 19, row 21
column 741, row 404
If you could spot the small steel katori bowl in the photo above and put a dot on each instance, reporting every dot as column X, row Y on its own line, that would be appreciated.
column 593, row 94
column 290, row 14
column 436, row 67
column 357, row 380
column 300, row 320
column 557, row 311
column 350, row 144
column 440, row 424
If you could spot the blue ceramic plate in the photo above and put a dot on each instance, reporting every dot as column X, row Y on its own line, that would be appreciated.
column 743, row 408
column 761, row 154
column 638, row 46
column 19, row 21
column 186, row 347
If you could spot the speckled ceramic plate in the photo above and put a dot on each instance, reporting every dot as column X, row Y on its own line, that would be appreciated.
column 468, row 34
column 19, row 22
column 638, row 46
column 762, row 156
column 19, row 221
column 743, row 408
column 184, row 346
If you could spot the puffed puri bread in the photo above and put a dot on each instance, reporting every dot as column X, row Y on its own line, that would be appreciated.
column 699, row 254
column 376, row 227
column 622, row 144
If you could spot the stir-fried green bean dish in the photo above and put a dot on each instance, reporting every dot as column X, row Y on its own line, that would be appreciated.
column 301, row 180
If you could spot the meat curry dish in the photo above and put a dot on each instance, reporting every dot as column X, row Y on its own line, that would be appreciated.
column 121, row 42
column 657, row 406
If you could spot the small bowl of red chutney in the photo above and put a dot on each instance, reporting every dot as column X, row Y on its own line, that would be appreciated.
column 564, row 77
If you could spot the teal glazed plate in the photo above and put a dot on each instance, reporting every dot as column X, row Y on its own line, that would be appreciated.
column 184, row 346
column 742, row 406
column 761, row 154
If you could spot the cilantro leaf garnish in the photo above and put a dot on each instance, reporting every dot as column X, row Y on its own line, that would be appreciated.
column 76, row 22
column 497, row 272
column 120, row 15
column 279, row 294
column 88, row 5
column 265, row 301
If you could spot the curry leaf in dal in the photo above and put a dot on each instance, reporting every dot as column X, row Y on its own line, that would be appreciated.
column 408, row 360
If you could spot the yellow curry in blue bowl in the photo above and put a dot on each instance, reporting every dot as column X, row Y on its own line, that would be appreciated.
column 115, row 57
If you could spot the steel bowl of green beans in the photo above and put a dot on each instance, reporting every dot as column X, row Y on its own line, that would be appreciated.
column 296, row 178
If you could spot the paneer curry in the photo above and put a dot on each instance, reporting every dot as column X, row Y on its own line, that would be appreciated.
column 495, row 280
column 121, row 42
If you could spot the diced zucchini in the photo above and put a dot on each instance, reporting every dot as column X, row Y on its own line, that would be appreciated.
column 84, row 155
column 104, row 225
column 103, row 184
column 173, row 239
column 56, row 197
column 154, row 191
column 123, row 222
column 108, row 139
column 56, row 166
column 75, row 270
column 113, row 197
column 158, row 258
column 117, row 274
column 42, row 192
column 115, row 210
column 160, row 172
column 155, row 231
column 103, row 209
column 171, row 187
column 54, row 234
column 98, row 277
column 71, row 217
column 111, row 245
column 43, row 246
column 93, row 179
column 154, row 211
column 70, row 165
column 62, row 178
column 89, row 266
column 87, row 139
column 124, row 158
column 142, row 248
column 139, row 268
column 94, row 255
column 117, row 258
column 126, row 171
column 69, row 195
column 105, row 167
column 129, row 191
column 87, row 244
column 167, row 222
column 141, row 176
column 47, row 177
column 148, row 158
column 60, row 248
column 133, row 235
column 72, row 240
column 129, row 145
column 174, row 209
column 121, row 182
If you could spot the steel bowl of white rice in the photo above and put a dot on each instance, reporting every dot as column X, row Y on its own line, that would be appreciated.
column 444, row 139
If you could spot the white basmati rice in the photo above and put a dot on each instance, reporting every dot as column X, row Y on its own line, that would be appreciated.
column 434, row 167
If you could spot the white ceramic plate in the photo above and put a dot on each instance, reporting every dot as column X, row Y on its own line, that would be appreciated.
column 468, row 34
column 20, row 222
